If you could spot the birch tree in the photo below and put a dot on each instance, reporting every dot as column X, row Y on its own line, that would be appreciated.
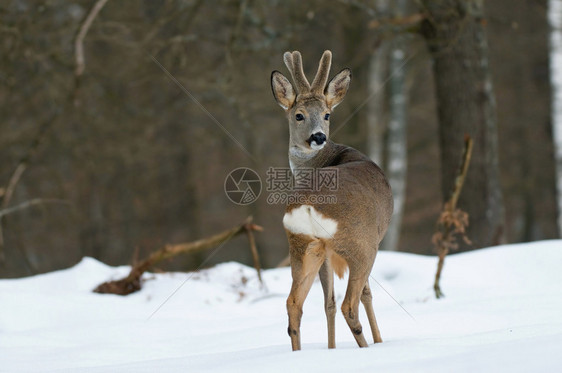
column 387, row 67
column 555, row 20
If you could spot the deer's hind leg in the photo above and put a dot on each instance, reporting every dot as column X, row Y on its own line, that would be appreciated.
column 367, row 300
column 305, row 263
column 359, row 270
column 327, row 279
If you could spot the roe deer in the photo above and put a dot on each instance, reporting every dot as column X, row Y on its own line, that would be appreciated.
column 328, row 238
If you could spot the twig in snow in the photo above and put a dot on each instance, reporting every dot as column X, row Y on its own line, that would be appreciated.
column 452, row 221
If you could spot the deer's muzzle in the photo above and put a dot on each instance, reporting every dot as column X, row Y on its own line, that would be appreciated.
column 317, row 140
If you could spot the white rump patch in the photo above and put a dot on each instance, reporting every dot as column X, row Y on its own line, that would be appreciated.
column 306, row 220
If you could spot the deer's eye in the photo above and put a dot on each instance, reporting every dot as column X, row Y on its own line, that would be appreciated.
column 327, row 116
column 299, row 117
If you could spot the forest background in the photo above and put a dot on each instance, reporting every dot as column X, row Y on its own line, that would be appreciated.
column 111, row 155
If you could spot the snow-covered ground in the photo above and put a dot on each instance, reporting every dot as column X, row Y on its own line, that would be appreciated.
column 502, row 312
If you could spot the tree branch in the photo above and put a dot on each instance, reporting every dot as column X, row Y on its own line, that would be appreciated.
column 255, row 256
column 28, row 204
column 79, row 41
column 8, row 192
column 16, row 176
column 21, row 206
column 46, row 126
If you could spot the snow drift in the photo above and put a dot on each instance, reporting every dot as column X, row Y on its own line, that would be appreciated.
column 502, row 312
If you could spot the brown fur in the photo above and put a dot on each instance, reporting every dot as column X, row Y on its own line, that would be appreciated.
column 362, row 211
column 317, row 248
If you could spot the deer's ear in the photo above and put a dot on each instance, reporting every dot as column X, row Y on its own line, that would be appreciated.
column 337, row 88
column 282, row 90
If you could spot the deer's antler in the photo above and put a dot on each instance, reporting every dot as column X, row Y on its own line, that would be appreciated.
column 321, row 78
column 293, row 61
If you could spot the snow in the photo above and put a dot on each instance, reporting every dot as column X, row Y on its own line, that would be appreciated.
column 501, row 313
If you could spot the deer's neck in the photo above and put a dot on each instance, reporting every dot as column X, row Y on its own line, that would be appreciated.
column 299, row 158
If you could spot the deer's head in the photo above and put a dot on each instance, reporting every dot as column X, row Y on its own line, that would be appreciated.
column 308, row 106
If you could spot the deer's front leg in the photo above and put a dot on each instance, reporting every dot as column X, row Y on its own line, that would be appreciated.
column 304, row 269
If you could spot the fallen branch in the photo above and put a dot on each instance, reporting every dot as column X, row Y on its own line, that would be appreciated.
column 133, row 283
column 452, row 222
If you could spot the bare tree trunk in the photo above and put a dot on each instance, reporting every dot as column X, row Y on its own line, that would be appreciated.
column 524, row 108
column 394, row 155
column 555, row 20
column 397, row 160
column 376, row 111
column 454, row 31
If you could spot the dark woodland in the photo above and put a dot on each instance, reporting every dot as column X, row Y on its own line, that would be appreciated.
column 128, row 149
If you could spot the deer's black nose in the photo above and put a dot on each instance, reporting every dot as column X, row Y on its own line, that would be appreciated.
column 319, row 138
